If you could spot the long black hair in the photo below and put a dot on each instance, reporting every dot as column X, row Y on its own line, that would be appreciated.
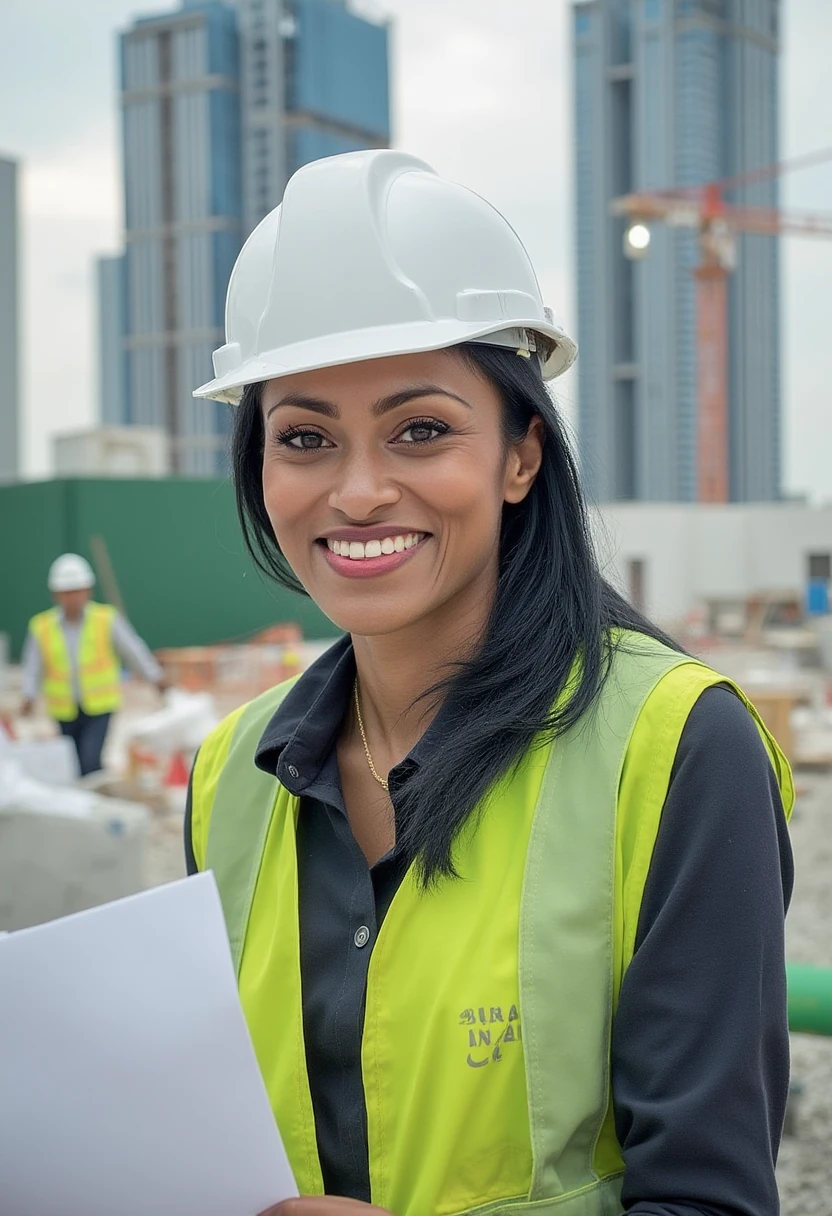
column 552, row 618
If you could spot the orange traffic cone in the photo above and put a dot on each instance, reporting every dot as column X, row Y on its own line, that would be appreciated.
column 177, row 774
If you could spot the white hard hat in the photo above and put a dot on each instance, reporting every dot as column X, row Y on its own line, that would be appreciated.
column 372, row 254
column 70, row 573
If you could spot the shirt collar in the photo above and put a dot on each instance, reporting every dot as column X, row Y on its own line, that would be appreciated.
column 62, row 617
column 302, row 732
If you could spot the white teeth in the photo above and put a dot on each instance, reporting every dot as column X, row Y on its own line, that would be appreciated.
column 357, row 551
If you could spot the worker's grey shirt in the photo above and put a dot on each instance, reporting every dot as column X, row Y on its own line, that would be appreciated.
column 126, row 642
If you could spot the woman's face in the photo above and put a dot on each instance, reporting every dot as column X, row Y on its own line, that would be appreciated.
column 385, row 482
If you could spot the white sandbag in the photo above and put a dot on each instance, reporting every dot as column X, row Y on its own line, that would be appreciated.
column 52, row 761
column 26, row 793
column 181, row 726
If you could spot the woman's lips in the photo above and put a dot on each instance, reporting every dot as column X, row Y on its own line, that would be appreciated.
column 374, row 556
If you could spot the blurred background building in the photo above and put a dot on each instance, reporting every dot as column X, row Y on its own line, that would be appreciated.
column 221, row 103
column 111, row 287
column 112, row 451
column 673, row 94
column 9, row 324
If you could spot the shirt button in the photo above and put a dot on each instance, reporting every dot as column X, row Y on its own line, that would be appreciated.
column 362, row 936
column 292, row 771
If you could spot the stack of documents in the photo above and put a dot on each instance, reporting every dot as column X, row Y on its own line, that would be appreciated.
column 128, row 1082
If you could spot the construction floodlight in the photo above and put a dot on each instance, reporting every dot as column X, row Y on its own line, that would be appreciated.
column 636, row 241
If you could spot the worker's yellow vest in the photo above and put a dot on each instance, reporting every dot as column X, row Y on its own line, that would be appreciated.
column 486, row 1044
column 99, row 672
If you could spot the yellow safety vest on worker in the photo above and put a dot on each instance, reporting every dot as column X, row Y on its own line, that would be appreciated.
column 99, row 670
column 489, row 1004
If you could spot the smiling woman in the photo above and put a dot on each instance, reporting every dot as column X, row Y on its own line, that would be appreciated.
column 493, row 951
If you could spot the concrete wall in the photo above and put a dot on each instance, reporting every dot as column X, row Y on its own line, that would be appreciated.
column 695, row 553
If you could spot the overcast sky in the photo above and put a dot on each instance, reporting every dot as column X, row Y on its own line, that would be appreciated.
column 481, row 89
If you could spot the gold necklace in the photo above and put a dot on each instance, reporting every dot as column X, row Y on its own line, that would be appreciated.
column 381, row 780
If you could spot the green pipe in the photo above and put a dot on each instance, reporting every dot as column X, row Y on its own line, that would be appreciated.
column 810, row 998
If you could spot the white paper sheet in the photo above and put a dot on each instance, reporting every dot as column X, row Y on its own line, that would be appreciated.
column 128, row 1082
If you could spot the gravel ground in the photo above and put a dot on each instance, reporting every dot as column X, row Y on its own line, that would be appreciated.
column 805, row 1170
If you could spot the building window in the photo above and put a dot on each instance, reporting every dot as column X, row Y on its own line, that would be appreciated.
column 820, row 567
column 820, row 580
column 289, row 72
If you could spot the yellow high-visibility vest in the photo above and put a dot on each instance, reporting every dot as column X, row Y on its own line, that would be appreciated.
column 99, row 671
column 490, row 999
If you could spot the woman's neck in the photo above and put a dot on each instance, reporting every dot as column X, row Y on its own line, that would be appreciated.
column 395, row 669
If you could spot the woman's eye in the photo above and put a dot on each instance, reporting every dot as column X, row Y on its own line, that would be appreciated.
column 303, row 441
column 422, row 432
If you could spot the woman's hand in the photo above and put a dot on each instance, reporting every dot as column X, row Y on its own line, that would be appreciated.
column 324, row 1205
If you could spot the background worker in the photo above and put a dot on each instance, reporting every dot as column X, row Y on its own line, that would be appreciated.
column 74, row 652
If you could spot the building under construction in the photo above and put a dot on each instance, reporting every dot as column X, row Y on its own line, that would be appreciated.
column 674, row 94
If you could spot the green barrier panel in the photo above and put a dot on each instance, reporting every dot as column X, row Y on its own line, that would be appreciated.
column 810, row 998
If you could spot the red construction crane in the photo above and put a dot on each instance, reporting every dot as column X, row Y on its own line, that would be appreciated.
column 704, row 208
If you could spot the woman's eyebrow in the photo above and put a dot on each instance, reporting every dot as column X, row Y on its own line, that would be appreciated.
column 318, row 406
column 384, row 404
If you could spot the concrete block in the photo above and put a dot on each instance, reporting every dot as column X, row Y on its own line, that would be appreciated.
column 53, row 864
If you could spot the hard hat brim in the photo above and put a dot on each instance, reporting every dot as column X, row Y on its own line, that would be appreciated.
column 74, row 585
column 380, row 342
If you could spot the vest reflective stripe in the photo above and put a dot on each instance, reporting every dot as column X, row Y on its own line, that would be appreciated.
column 490, row 1000
column 99, row 675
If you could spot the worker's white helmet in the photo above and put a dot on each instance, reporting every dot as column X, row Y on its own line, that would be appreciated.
column 372, row 254
column 70, row 573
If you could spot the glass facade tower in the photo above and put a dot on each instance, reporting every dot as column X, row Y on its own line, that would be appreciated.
column 672, row 93
column 221, row 102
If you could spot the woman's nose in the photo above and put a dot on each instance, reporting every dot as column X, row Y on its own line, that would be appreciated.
column 363, row 485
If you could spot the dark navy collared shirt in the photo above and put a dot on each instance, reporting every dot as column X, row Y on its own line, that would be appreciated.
column 700, row 1039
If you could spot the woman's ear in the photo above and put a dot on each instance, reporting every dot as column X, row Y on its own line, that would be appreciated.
column 523, row 463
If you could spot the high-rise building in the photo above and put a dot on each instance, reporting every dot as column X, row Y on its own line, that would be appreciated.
column 672, row 93
column 183, row 218
column 221, row 102
column 9, row 324
column 112, row 363
column 314, row 83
